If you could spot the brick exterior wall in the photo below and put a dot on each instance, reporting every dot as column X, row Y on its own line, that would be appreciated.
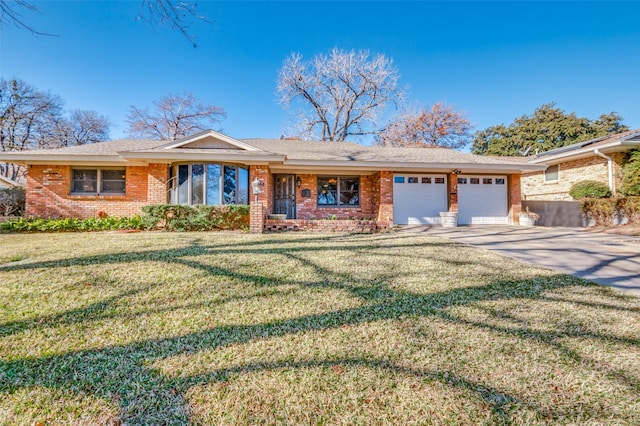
column 48, row 193
column 452, row 186
column 514, row 198
column 591, row 168
column 351, row 226
column 382, row 195
column 307, row 207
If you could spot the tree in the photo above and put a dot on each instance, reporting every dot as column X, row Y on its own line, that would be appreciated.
column 173, row 117
column 30, row 119
column 439, row 126
column 547, row 128
column 177, row 14
column 80, row 128
column 631, row 174
column 341, row 94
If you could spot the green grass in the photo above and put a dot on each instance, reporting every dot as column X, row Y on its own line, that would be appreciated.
column 231, row 328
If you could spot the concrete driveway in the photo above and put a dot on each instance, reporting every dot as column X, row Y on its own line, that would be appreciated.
column 608, row 259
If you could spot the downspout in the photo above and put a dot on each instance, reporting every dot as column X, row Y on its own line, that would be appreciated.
column 609, row 168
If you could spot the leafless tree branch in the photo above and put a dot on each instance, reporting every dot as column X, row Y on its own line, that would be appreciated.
column 340, row 94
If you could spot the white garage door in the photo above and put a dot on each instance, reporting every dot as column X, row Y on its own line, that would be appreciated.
column 419, row 199
column 482, row 200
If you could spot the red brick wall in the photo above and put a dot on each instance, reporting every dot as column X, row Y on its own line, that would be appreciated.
column 514, row 197
column 307, row 208
column 452, row 183
column 48, row 194
column 383, row 195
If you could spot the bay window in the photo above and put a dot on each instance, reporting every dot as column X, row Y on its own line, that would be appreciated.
column 210, row 183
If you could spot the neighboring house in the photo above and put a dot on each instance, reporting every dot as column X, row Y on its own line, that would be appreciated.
column 598, row 159
column 302, row 179
column 6, row 183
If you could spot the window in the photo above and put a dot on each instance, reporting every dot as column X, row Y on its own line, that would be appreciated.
column 212, row 184
column 338, row 191
column 474, row 181
column 487, row 181
column 426, row 180
column 499, row 181
column 98, row 181
column 413, row 180
column 398, row 179
column 462, row 181
column 439, row 180
column 551, row 174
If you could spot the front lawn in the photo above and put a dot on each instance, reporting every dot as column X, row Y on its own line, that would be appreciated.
column 231, row 328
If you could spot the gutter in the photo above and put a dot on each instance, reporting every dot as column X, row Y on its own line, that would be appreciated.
column 609, row 168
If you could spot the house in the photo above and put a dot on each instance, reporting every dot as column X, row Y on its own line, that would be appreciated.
column 598, row 159
column 303, row 180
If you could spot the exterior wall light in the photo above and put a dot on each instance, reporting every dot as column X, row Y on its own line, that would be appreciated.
column 257, row 186
column 298, row 182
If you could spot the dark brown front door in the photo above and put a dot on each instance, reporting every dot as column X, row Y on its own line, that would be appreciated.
column 284, row 195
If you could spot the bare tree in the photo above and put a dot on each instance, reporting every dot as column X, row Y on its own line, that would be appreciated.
column 439, row 126
column 176, row 14
column 341, row 94
column 26, row 116
column 80, row 128
column 173, row 117
column 31, row 119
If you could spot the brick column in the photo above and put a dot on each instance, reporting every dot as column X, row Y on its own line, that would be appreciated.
column 157, row 190
column 385, row 206
column 515, row 198
column 452, row 182
column 256, row 218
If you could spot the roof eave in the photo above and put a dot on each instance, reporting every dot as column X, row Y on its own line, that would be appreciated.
column 585, row 152
column 413, row 166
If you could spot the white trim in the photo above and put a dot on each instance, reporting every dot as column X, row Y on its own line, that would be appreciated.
column 586, row 151
column 212, row 133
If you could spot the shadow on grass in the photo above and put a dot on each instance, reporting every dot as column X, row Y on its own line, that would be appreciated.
column 120, row 374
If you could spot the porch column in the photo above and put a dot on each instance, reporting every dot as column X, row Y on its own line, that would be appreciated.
column 256, row 218
column 385, row 207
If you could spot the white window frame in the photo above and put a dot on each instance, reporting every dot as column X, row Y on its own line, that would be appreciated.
column 557, row 172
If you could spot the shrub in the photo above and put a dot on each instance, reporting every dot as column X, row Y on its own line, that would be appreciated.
column 603, row 211
column 72, row 224
column 631, row 174
column 12, row 201
column 196, row 218
column 589, row 189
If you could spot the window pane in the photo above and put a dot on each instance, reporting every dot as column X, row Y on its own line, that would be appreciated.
column 197, row 184
column 84, row 181
column 551, row 174
column 183, row 184
column 113, row 181
column 350, row 191
column 327, row 190
column 213, row 184
column 243, row 185
column 229, row 185
column 398, row 179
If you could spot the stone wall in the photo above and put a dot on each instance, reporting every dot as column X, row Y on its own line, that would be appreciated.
column 591, row 168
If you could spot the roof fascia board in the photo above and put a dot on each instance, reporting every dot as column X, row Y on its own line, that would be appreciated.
column 216, row 135
column 584, row 152
column 25, row 158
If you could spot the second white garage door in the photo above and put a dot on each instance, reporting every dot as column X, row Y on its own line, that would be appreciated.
column 482, row 200
column 419, row 199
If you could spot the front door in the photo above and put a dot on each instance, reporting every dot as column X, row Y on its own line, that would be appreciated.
column 284, row 195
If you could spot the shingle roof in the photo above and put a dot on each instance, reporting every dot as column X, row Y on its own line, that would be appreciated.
column 592, row 143
column 348, row 151
column 98, row 148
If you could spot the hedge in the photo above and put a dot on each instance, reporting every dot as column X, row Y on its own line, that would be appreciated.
column 605, row 211
column 589, row 189
column 164, row 216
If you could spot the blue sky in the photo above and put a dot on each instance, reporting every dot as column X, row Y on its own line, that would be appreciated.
column 493, row 60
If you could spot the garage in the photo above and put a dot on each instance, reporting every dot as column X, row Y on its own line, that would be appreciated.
column 482, row 200
column 418, row 199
